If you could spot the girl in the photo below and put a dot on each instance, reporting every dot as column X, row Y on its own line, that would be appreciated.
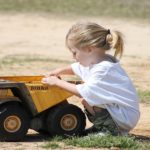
column 108, row 95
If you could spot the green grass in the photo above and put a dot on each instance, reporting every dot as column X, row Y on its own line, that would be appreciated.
column 52, row 145
column 18, row 59
column 93, row 141
column 144, row 96
column 111, row 8
column 108, row 142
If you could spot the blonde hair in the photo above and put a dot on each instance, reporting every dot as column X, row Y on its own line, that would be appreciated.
column 91, row 34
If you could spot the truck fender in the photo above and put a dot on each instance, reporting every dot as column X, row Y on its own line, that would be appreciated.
column 9, row 100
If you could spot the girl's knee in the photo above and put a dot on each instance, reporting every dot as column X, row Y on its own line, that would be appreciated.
column 84, row 102
column 88, row 107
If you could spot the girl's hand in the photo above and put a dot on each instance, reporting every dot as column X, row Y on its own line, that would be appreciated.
column 48, row 74
column 52, row 73
column 51, row 81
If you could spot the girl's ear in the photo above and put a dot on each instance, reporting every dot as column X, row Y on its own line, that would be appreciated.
column 89, row 49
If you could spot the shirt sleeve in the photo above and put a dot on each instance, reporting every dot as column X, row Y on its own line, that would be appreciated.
column 88, row 94
column 91, row 90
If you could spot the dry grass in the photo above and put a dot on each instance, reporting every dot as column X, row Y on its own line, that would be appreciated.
column 115, row 8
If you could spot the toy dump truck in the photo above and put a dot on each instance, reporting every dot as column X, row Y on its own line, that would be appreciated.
column 26, row 103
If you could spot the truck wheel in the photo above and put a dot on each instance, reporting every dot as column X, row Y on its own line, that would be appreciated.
column 66, row 120
column 14, row 122
column 43, row 132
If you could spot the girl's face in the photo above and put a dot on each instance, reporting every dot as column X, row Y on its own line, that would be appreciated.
column 88, row 55
column 82, row 56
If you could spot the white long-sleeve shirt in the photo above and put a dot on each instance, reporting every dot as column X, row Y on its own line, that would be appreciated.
column 106, row 85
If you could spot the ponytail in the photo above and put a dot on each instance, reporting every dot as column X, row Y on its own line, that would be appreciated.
column 118, row 43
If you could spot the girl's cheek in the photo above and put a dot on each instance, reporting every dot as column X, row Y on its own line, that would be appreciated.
column 74, row 57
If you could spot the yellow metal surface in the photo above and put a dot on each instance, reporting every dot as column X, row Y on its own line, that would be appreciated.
column 43, row 96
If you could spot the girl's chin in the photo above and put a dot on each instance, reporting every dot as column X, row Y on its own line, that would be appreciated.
column 84, row 65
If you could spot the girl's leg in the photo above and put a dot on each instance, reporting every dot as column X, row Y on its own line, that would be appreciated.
column 102, row 121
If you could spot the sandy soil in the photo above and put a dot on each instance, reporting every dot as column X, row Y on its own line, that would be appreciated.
column 24, row 36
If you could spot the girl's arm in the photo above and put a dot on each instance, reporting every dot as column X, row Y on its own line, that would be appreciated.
column 61, row 71
column 54, row 81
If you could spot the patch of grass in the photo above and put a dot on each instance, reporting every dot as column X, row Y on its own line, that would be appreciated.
column 145, row 146
column 93, row 141
column 115, row 8
column 132, row 56
column 51, row 145
column 103, row 141
column 57, row 139
column 144, row 96
column 18, row 59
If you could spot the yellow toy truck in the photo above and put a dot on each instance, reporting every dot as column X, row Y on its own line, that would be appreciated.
column 26, row 103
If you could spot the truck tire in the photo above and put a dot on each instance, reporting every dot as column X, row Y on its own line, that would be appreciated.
column 43, row 130
column 66, row 120
column 14, row 122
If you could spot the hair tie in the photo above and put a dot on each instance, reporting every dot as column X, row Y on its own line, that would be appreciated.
column 109, row 37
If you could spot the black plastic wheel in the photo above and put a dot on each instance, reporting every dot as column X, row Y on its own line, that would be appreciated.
column 43, row 132
column 66, row 120
column 14, row 122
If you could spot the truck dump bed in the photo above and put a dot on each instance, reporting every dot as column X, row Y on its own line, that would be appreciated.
column 43, row 96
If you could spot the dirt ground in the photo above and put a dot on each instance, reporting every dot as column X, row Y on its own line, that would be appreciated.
column 24, row 36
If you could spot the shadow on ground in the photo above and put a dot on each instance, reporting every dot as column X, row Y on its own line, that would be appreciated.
column 36, row 137
column 42, row 137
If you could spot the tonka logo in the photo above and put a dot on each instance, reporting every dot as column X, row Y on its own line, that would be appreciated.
column 38, row 88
